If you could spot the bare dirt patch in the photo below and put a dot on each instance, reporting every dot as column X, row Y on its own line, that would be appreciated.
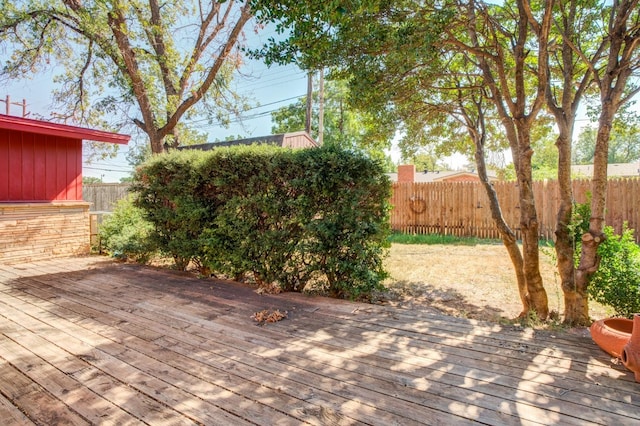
column 467, row 281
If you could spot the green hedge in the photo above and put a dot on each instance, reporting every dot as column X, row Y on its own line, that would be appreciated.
column 617, row 281
column 294, row 218
column 126, row 234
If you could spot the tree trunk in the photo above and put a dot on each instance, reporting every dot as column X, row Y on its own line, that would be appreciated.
column 509, row 88
column 563, row 102
column 536, row 294
column 589, row 260
column 506, row 233
column 156, row 142
column 622, row 61
column 511, row 244
column 576, row 301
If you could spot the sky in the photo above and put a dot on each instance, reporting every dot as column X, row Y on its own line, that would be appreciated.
column 272, row 88
column 267, row 88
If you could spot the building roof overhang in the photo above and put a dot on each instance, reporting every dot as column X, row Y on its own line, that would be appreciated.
column 28, row 125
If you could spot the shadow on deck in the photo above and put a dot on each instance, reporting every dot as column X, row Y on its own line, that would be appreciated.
column 90, row 341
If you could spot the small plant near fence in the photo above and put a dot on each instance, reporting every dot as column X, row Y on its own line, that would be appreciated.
column 616, row 283
column 300, row 219
column 125, row 233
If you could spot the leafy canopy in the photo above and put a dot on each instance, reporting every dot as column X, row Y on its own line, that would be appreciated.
column 624, row 144
column 143, row 62
column 344, row 126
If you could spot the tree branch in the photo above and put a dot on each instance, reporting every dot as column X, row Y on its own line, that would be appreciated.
column 197, row 94
column 200, row 45
column 157, row 41
column 118, row 27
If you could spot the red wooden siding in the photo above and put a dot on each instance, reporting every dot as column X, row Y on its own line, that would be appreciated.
column 38, row 167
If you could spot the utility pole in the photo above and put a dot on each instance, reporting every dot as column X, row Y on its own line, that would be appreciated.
column 307, row 123
column 321, row 109
column 8, row 103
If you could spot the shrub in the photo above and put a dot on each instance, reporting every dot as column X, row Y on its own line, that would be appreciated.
column 285, row 217
column 345, row 204
column 254, row 229
column 617, row 281
column 165, row 188
column 126, row 234
column 580, row 216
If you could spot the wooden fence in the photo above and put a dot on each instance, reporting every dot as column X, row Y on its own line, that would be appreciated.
column 103, row 196
column 462, row 208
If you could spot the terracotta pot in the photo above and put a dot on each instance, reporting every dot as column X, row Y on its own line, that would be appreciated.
column 612, row 334
column 631, row 352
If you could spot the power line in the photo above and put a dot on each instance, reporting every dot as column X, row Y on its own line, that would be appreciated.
column 112, row 168
column 250, row 68
column 251, row 117
column 242, row 119
column 105, row 162
column 106, row 170
column 271, row 70
column 260, row 82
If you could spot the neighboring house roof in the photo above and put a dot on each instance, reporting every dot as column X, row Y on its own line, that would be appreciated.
column 459, row 176
column 28, row 125
column 443, row 176
column 613, row 170
column 284, row 140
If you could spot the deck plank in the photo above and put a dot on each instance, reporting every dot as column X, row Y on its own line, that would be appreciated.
column 117, row 393
column 370, row 389
column 124, row 316
column 93, row 341
column 134, row 365
column 11, row 415
column 33, row 400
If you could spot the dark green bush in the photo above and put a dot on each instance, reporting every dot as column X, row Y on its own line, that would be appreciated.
column 126, row 234
column 617, row 281
column 345, row 200
column 286, row 217
column 580, row 216
column 165, row 191
column 254, row 230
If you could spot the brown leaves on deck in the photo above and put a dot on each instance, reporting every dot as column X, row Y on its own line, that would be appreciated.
column 266, row 315
column 269, row 289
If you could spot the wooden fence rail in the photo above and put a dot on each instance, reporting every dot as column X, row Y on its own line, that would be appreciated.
column 462, row 208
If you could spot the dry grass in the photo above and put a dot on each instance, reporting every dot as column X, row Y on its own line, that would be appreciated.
column 469, row 281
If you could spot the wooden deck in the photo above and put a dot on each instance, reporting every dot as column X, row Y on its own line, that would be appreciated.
column 89, row 341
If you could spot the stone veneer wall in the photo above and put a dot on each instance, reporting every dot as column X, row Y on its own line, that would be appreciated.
column 39, row 231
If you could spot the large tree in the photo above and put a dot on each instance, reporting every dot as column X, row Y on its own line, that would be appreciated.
column 568, row 79
column 528, row 55
column 392, row 52
column 584, row 49
column 152, row 62
column 615, row 74
column 499, row 41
